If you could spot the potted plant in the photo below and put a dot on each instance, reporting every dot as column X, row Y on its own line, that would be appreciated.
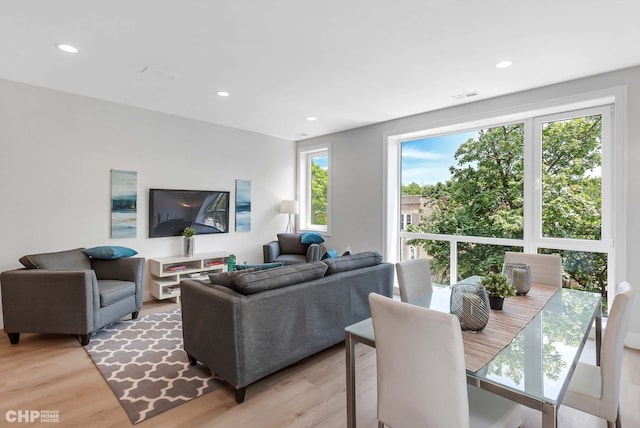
column 188, row 241
column 498, row 288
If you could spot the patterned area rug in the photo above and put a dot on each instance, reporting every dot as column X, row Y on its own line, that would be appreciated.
column 146, row 367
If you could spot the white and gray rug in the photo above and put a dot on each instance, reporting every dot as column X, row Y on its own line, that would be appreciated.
column 146, row 367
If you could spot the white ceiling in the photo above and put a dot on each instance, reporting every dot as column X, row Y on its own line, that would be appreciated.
column 349, row 63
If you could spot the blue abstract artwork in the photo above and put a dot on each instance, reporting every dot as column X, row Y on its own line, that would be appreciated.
column 243, row 205
column 124, row 204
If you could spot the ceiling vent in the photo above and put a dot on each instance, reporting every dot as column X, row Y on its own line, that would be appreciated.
column 156, row 74
column 465, row 95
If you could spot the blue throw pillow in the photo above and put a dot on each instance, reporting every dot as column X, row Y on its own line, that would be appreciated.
column 311, row 238
column 331, row 254
column 109, row 252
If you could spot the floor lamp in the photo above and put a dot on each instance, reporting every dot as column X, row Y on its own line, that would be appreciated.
column 290, row 208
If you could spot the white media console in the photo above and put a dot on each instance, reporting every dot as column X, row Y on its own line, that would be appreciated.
column 167, row 272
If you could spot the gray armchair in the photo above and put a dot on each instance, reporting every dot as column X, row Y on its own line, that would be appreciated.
column 289, row 250
column 69, row 293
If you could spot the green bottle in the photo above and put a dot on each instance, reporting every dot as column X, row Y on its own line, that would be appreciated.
column 231, row 263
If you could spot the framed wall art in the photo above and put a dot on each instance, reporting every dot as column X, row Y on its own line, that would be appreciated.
column 243, row 205
column 124, row 204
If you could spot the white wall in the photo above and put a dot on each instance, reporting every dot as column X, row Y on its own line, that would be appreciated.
column 358, row 166
column 57, row 150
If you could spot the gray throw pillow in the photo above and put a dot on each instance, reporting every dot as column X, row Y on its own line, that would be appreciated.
column 255, row 282
column 67, row 260
column 353, row 261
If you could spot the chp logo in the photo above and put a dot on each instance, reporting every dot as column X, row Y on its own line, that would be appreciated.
column 42, row 416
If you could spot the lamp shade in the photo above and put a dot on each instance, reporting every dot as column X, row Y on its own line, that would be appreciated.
column 289, row 207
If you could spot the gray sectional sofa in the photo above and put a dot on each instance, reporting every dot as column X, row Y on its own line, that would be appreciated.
column 245, row 326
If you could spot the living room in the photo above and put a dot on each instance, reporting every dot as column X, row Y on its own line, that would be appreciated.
column 58, row 150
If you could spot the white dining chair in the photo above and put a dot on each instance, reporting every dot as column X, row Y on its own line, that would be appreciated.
column 421, row 372
column 546, row 269
column 596, row 389
column 414, row 279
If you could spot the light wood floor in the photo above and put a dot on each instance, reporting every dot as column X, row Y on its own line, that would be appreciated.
column 50, row 372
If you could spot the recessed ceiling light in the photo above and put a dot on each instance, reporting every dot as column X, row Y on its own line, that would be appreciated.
column 311, row 118
column 222, row 94
column 67, row 48
column 504, row 64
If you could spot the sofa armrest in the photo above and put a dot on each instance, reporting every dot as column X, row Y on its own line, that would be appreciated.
column 50, row 301
column 210, row 327
column 313, row 253
column 271, row 251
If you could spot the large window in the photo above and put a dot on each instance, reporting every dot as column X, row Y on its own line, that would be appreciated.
column 539, row 184
column 313, row 188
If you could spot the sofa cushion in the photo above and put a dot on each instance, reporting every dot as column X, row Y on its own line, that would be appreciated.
column 290, row 243
column 112, row 291
column 227, row 279
column 291, row 259
column 109, row 252
column 255, row 282
column 69, row 260
column 353, row 261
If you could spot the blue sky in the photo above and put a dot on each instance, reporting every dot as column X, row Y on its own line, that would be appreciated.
column 321, row 161
column 427, row 161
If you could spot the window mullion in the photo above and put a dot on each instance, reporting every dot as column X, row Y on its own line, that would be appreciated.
column 532, row 186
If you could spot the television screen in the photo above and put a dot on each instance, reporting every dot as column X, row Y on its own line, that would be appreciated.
column 170, row 211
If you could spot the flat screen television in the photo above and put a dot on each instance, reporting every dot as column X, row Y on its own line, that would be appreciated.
column 170, row 211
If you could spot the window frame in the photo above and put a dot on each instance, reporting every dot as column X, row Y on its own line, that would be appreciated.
column 406, row 219
column 304, row 157
column 535, row 167
column 614, row 196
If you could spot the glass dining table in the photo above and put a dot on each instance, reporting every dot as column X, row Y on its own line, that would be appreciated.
column 534, row 369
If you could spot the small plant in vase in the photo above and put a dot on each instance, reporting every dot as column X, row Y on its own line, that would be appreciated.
column 188, row 243
column 188, row 232
column 498, row 288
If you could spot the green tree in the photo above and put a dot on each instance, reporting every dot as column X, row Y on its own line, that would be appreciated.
column 482, row 198
column 572, row 196
column 319, row 186
column 412, row 189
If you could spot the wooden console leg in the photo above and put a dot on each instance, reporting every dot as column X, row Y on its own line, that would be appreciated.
column 134, row 315
column 192, row 360
column 84, row 339
column 14, row 338
column 240, row 394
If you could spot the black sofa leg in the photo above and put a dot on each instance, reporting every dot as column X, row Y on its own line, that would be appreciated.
column 134, row 315
column 14, row 338
column 192, row 360
column 84, row 339
column 240, row 394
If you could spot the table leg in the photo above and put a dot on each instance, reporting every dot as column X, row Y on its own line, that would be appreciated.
column 549, row 416
column 351, row 380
